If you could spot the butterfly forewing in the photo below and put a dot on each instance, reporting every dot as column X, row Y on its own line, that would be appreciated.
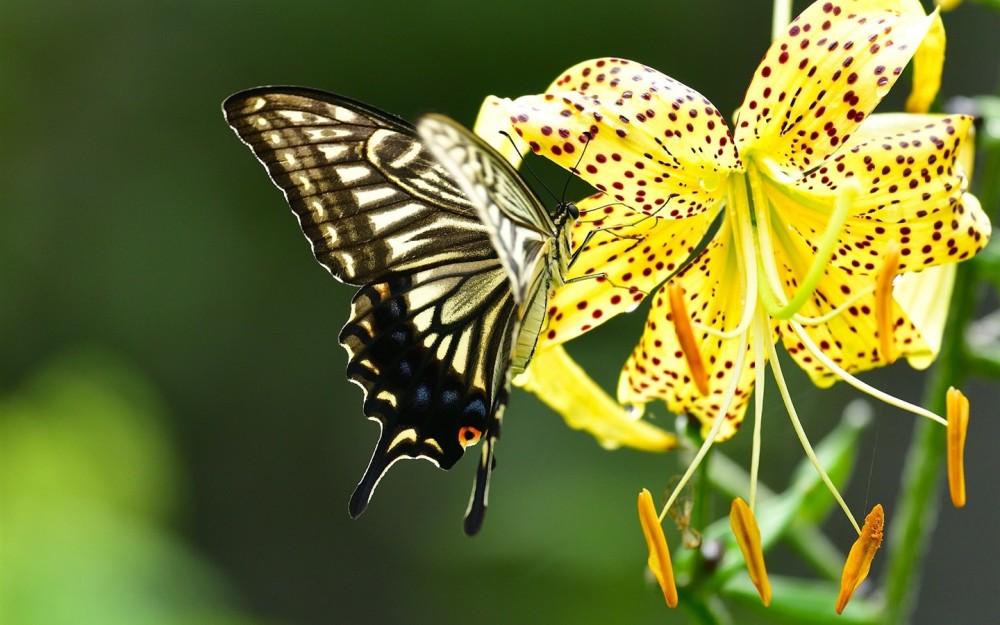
column 369, row 197
column 433, row 326
column 520, row 228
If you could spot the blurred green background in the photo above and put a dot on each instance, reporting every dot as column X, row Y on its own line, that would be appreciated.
column 177, row 438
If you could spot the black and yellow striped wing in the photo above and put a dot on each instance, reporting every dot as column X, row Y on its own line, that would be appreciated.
column 520, row 228
column 533, row 247
column 433, row 325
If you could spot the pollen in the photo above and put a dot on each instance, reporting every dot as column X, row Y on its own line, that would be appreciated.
column 685, row 336
column 748, row 538
column 884, row 301
column 859, row 560
column 958, row 423
column 659, row 554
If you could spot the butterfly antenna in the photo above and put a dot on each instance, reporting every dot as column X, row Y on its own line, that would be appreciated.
column 576, row 168
column 527, row 166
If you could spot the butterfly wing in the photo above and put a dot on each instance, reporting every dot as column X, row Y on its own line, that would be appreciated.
column 521, row 230
column 369, row 198
column 430, row 332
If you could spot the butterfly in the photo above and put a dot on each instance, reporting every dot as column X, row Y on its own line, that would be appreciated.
column 453, row 254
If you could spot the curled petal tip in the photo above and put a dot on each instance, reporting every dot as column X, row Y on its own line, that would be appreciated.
column 928, row 63
column 958, row 423
column 748, row 538
column 859, row 560
column 947, row 5
column 659, row 554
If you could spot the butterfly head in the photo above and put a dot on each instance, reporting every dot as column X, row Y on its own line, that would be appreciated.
column 566, row 212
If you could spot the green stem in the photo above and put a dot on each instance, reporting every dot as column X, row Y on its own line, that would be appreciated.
column 701, row 611
column 919, row 501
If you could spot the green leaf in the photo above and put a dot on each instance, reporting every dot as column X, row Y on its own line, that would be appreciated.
column 803, row 602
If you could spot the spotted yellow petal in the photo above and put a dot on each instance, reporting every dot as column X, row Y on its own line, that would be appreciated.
column 491, row 123
column 913, row 192
column 823, row 77
column 623, row 257
column 654, row 144
column 850, row 338
column 657, row 368
column 843, row 306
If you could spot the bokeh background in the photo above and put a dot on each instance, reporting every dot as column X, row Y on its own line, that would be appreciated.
column 177, row 438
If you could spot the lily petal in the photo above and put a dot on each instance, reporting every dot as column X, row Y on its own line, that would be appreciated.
column 928, row 64
column 657, row 368
column 491, row 123
column 827, row 73
column 924, row 297
column 915, row 193
column 622, row 257
column 846, row 302
column 566, row 388
column 646, row 139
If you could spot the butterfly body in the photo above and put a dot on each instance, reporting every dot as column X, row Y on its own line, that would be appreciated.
column 453, row 254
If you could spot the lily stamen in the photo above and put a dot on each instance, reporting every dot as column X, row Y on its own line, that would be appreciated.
column 685, row 336
column 958, row 423
column 884, row 301
column 747, row 535
column 801, row 433
column 825, row 360
column 720, row 418
column 659, row 554
column 772, row 296
column 859, row 560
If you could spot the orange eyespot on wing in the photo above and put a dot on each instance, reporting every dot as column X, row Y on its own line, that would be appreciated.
column 468, row 436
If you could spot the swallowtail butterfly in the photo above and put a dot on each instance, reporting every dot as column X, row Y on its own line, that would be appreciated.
column 454, row 256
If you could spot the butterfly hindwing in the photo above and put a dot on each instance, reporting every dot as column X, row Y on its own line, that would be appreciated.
column 425, row 349
column 433, row 325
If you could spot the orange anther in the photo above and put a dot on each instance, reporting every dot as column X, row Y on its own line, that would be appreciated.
column 659, row 555
column 859, row 560
column 958, row 423
column 685, row 336
column 748, row 538
column 884, row 301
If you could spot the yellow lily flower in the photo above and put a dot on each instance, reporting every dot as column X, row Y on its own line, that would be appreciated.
column 799, row 226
